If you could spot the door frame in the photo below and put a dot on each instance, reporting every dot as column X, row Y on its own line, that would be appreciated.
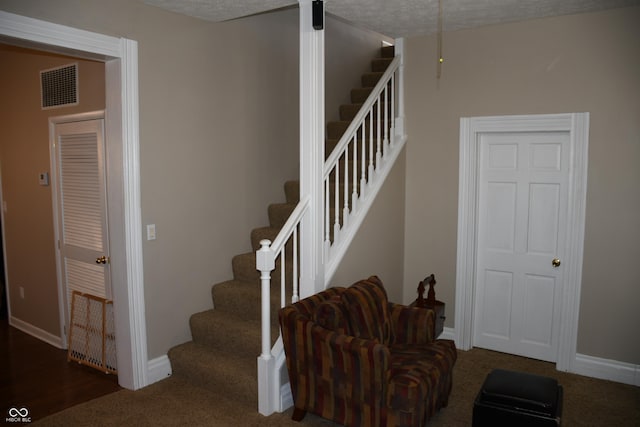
column 577, row 124
column 120, row 56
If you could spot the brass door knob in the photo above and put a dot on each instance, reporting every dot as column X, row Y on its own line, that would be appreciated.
column 555, row 262
column 101, row 260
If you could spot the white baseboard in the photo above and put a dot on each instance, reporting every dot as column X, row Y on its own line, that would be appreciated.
column 448, row 334
column 590, row 366
column 158, row 369
column 38, row 333
column 606, row 369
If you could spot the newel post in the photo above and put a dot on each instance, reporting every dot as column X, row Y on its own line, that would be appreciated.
column 265, row 263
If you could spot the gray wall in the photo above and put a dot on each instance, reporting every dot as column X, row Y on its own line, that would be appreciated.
column 588, row 62
column 378, row 247
column 218, row 137
column 24, row 153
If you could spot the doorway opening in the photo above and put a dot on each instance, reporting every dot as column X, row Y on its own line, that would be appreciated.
column 120, row 57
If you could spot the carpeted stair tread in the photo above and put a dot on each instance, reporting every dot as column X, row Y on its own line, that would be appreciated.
column 235, row 295
column 214, row 370
column 360, row 95
column 260, row 233
column 243, row 298
column 292, row 191
column 380, row 64
column 230, row 333
column 279, row 213
column 370, row 79
column 388, row 51
column 244, row 268
column 336, row 129
column 348, row 111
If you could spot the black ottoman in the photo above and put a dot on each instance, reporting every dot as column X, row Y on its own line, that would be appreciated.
column 510, row 398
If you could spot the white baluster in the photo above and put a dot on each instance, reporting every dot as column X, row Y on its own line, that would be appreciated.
column 336, row 203
column 363, row 151
column 393, row 108
column 371, row 152
column 378, row 124
column 354, row 195
column 294, row 296
column 283, row 274
column 327, row 238
column 386, row 117
column 345, row 214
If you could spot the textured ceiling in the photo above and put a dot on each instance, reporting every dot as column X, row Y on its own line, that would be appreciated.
column 401, row 18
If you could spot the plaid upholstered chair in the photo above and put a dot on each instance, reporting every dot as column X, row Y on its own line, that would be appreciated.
column 357, row 359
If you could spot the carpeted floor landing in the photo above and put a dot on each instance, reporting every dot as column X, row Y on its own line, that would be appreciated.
column 173, row 402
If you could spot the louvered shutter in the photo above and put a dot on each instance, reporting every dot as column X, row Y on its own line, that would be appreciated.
column 82, row 208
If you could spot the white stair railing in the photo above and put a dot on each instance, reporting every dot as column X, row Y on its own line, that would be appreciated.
column 357, row 167
column 269, row 254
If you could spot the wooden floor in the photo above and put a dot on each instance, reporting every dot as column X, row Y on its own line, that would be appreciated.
column 37, row 376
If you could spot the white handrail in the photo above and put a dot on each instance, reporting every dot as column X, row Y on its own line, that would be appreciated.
column 288, row 227
column 360, row 117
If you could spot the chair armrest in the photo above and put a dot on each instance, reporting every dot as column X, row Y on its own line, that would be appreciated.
column 326, row 366
column 411, row 325
column 353, row 368
column 406, row 398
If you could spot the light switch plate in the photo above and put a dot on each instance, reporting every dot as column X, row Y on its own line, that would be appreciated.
column 151, row 232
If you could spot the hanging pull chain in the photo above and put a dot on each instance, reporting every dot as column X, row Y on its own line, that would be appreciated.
column 440, row 57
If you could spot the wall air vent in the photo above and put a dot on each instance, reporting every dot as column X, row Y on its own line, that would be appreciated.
column 59, row 86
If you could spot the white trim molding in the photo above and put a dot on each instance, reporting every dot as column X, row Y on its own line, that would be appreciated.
column 577, row 124
column 588, row 366
column 606, row 369
column 312, row 156
column 158, row 369
column 120, row 56
column 36, row 332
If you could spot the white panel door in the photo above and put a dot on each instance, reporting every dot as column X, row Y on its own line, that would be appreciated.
column 522, row 201
column 81, row 206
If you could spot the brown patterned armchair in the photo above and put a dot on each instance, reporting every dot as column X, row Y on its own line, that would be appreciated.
column 357, row 359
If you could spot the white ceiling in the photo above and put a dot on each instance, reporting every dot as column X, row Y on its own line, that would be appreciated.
column 401, row 18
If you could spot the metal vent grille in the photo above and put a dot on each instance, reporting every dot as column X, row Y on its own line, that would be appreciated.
column 59, row 86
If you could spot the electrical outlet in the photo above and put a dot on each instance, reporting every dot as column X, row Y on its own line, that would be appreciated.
column 21, row 292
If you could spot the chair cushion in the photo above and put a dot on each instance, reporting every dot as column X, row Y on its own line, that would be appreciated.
column 367, row 309
column 331, row 315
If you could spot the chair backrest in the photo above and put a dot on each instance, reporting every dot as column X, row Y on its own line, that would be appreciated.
column 367, row 308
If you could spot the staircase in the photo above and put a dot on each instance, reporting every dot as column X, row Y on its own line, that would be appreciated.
column 227, row 338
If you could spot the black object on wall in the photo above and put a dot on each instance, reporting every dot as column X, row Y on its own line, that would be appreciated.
column 317, row 12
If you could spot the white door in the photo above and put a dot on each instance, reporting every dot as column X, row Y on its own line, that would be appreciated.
column 522, row 204
column 81, row 206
